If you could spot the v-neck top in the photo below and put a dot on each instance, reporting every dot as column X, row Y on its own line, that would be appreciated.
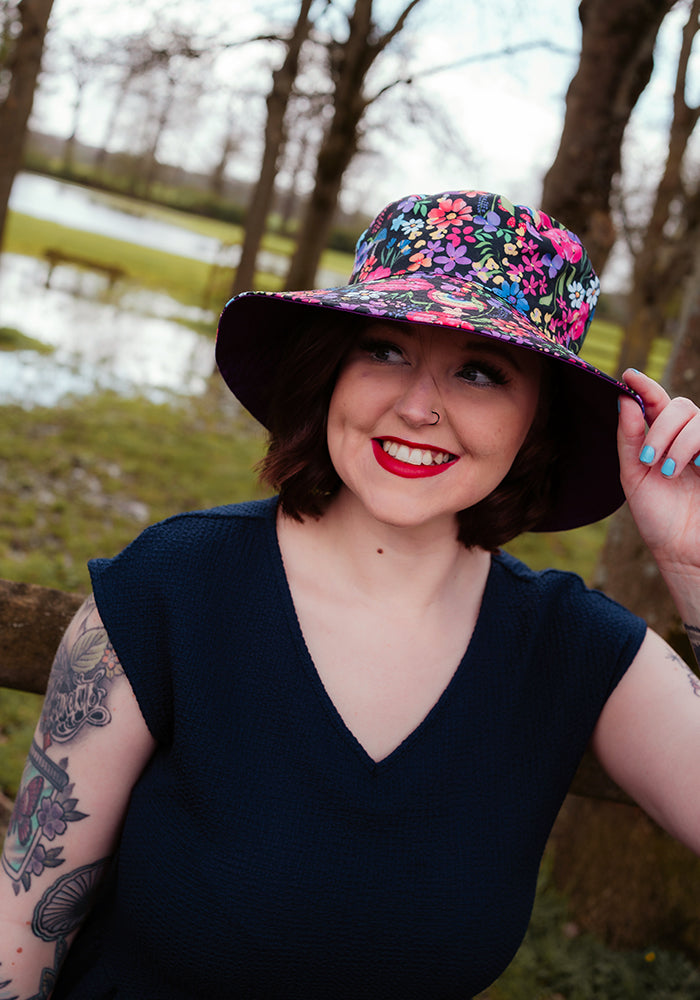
column 265, row 854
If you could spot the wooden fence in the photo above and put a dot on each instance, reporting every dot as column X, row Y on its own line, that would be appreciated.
column 32, row 620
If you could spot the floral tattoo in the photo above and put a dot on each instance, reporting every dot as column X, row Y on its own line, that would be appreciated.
column 76, row 698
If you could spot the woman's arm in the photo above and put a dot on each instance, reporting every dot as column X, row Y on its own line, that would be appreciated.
column 90, row 745
column 648, row 736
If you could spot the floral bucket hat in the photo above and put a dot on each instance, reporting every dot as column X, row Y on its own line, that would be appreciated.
column 473, row 261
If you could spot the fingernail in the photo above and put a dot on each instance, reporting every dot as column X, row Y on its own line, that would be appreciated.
column 696, row 463
column 618, row 404
column 647, row 454
column 668, row 468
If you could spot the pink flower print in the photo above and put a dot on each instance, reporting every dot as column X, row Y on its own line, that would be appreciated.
column 532, row 262
column 533, row 285
column 441, row 319
column 379, row 272
column 450, row 212
column 566, row 245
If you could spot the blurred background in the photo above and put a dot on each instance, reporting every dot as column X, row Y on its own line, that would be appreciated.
column 158, row 157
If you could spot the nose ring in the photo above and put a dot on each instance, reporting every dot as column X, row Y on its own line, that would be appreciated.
column 437, row 418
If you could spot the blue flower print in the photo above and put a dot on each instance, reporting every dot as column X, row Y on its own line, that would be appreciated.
column 513, row 294
column 397, row 222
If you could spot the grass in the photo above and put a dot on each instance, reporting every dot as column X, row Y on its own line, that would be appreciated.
column 555, row 962
column 13, row 340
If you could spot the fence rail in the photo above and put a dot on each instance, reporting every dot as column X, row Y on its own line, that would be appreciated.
column 33, row 619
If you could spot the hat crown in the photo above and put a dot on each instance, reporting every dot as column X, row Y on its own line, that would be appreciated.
column 519, row 254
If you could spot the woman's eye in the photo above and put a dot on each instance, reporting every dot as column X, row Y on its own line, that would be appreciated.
column 482, row 375
column 381, row 351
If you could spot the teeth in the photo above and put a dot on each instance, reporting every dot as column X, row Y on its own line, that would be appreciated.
column 415, row 456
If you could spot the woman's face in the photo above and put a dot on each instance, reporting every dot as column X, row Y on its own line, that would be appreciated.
column 403, row 467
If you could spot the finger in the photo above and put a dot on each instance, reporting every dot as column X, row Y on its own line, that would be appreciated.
column 653, row 395
column 683, row 448
column 631, row 434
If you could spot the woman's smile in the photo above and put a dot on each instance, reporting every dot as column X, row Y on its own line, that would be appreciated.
column 403, row 458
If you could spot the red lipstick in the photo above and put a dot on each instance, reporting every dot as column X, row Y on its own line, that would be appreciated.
column 405, row 469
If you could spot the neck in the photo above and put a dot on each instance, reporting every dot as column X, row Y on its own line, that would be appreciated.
column 410, row 568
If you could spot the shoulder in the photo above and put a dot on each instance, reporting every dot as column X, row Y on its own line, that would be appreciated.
column 561, row 597
column 195, row 534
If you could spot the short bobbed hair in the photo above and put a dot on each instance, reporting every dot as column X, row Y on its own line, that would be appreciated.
column 298, row 465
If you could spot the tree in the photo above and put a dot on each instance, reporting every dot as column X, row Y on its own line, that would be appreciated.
column 615, row 65
column 21, row 67
column 350, row 61
column 277, row 101
column 628, row 881
column 663, row 254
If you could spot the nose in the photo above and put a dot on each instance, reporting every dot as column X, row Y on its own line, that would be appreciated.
column 420, row 399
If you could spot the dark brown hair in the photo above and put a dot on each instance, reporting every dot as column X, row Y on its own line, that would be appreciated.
column 298, row 464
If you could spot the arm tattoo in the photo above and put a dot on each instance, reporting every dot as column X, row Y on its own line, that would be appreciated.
column 59, row 912
column 6, row 992
column 45, row 804
column 692, row 678
column 694, row 637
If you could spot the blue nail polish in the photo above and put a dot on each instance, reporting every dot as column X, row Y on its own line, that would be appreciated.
column 618, row 405
column 647, row 454
column 696, row 463
column 668, row 468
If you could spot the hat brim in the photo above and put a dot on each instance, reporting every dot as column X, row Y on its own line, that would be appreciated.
column 254, row 329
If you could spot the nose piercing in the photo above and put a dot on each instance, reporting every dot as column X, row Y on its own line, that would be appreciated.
column 437, row 418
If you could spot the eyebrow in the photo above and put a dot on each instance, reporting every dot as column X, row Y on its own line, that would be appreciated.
column 483, row 345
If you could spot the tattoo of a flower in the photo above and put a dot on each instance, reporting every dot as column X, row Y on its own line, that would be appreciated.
column 44, row 807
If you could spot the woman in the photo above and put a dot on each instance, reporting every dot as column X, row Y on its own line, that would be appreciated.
column 313, row 746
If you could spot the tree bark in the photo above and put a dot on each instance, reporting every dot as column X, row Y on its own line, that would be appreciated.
column 350, row 62
column 275, row 137
column 24, row 65
column 615, row 65
column 665, row 253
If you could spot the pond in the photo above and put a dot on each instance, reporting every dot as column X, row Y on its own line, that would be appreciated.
column 136, row 344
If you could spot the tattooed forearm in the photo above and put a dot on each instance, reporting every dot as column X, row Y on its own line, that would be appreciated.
column 6, row 991
column 76, row 700
column 694, row 636
column 60, row 911
column 43, row 808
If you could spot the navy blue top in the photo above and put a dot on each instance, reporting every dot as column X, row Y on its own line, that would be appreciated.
column 265, row 854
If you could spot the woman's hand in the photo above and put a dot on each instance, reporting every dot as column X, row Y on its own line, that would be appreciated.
column 660, row 473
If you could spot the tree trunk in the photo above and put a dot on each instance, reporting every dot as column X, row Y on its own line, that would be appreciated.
column 277, row 101
column 350, row 62
column 665, row 255
column 24, row 65
column 616, row 61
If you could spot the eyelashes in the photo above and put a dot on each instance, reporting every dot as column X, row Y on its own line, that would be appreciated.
column 481, row 374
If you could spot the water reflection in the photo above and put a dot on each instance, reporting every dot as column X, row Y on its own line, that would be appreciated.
column 133, row 346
